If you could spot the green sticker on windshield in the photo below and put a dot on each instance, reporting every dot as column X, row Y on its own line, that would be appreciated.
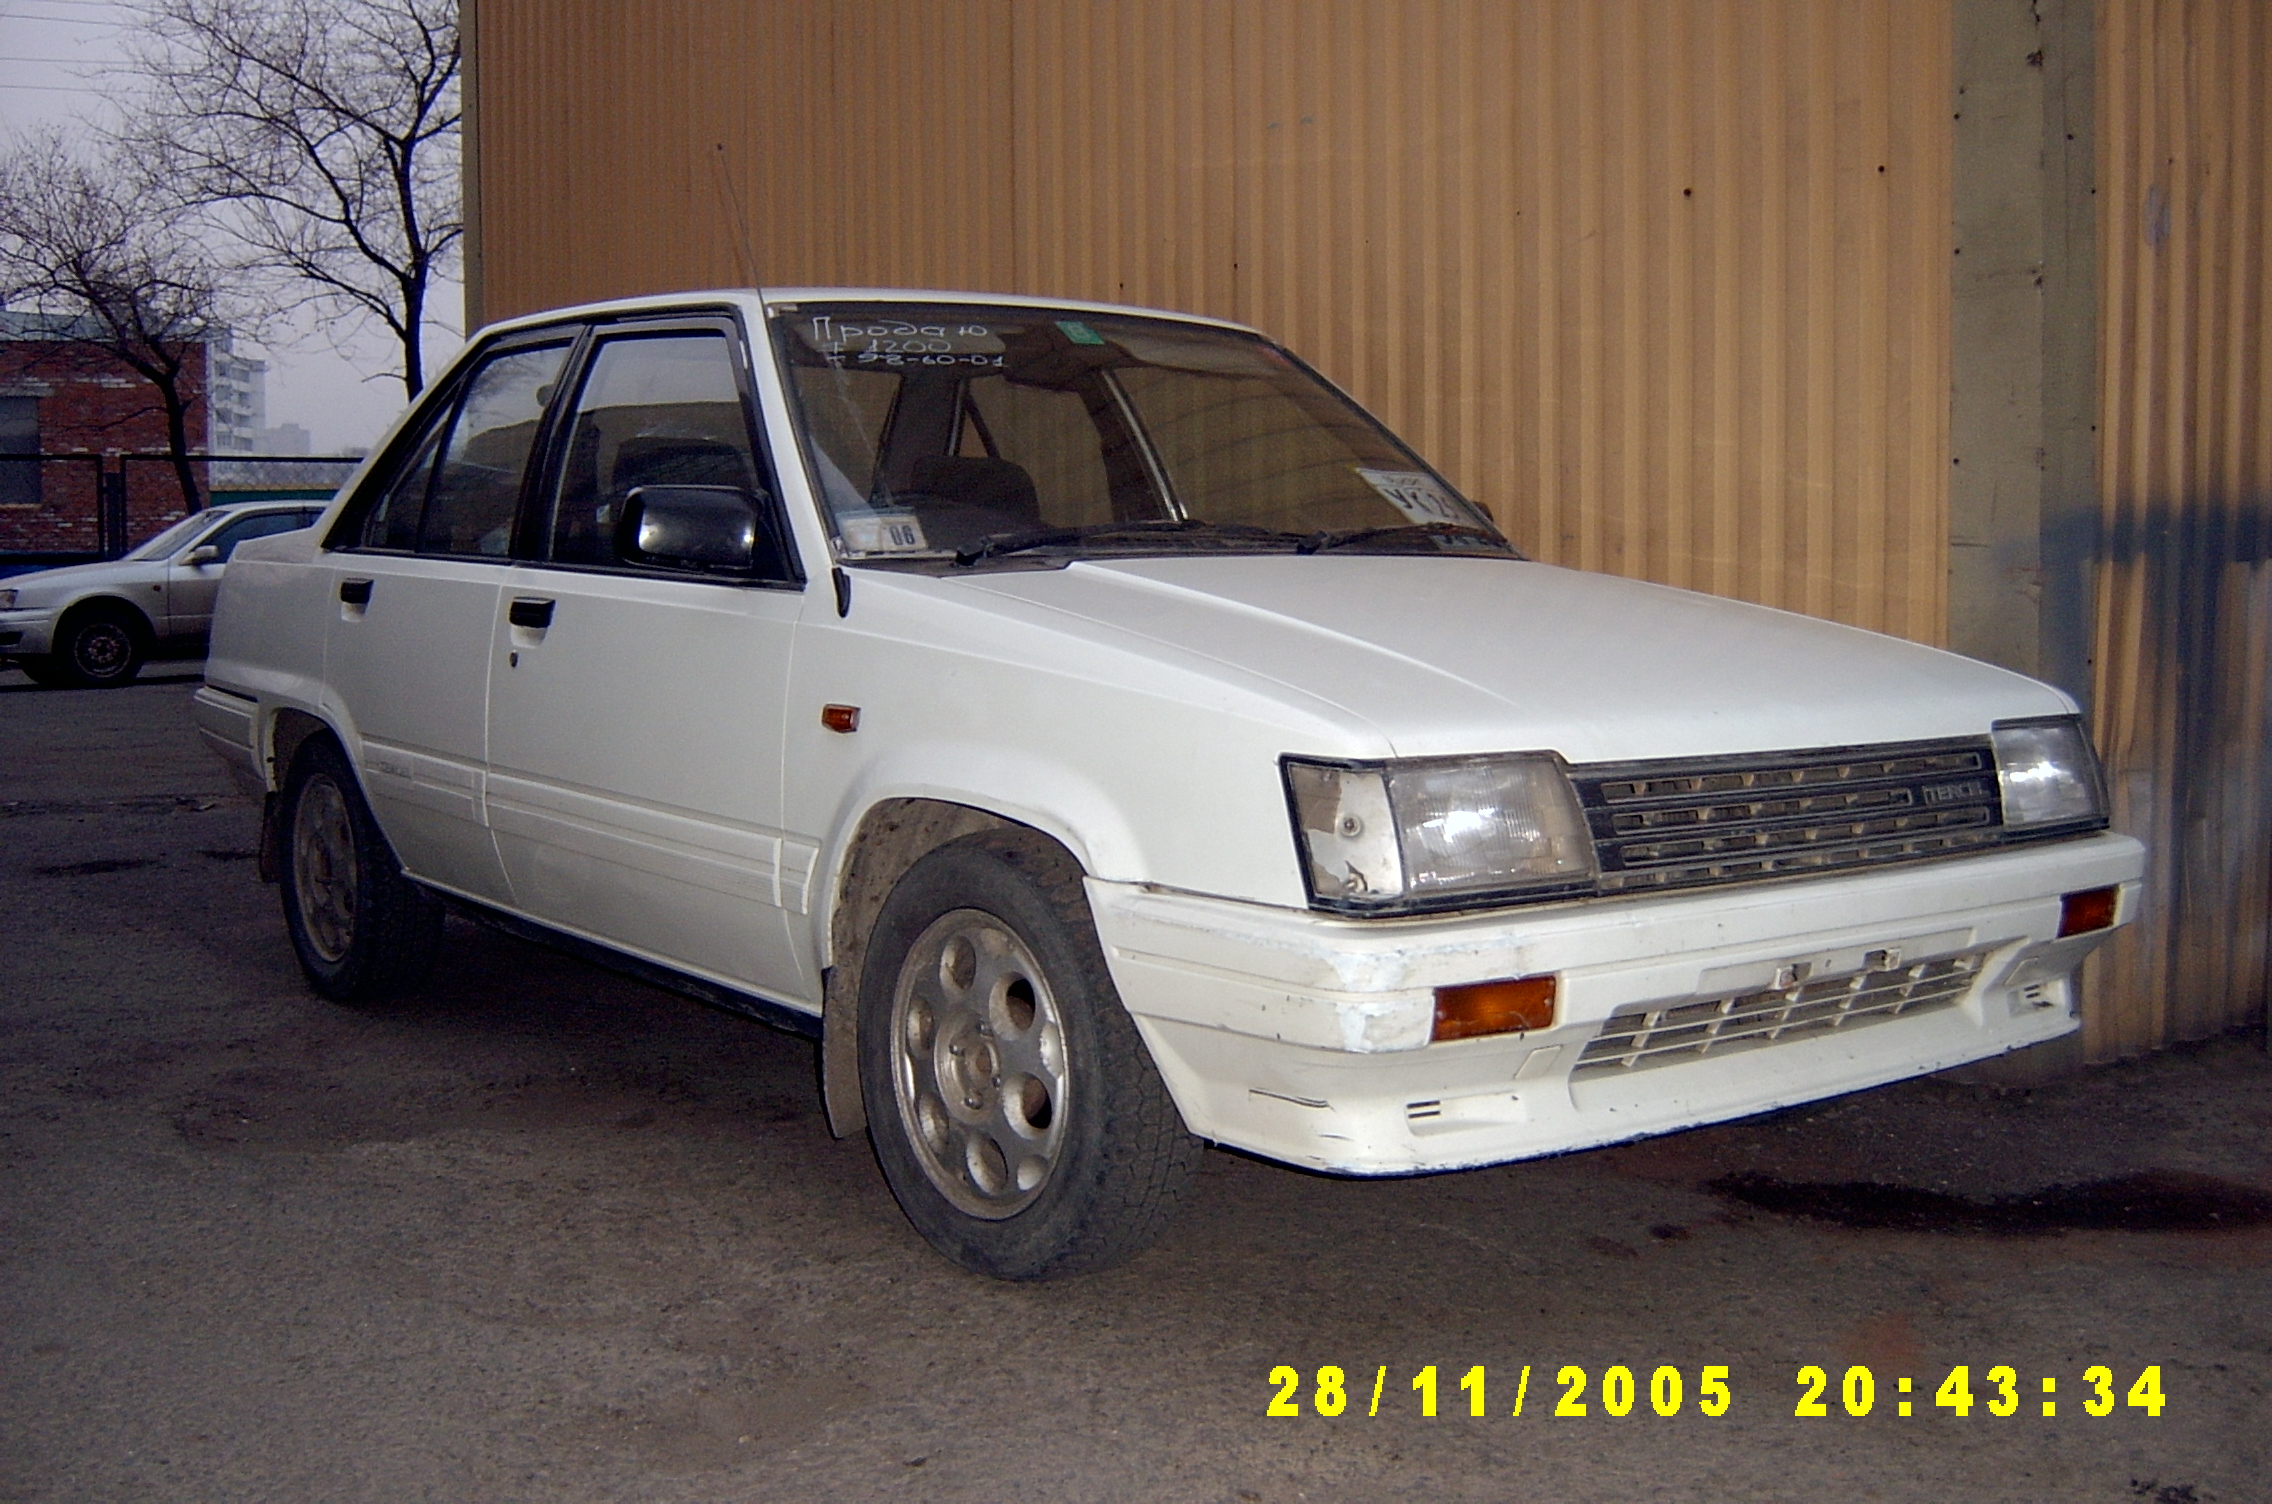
column 1080, row 333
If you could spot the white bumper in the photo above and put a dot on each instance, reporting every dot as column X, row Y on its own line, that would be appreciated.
column 229, row 726
column 1306, row 1038
column 27, row 633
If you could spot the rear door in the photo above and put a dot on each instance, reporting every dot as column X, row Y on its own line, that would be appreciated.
column 407, row 650
column 635, row 712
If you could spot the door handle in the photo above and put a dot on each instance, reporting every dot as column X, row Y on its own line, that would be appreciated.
column 355, row 592
column 536, row 615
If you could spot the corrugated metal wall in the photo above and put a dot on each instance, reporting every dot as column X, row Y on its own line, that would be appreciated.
column 2184, row 652
column 1664, row 282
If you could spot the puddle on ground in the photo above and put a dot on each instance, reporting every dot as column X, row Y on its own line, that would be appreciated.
column 96, row 868
column 2153, row 1201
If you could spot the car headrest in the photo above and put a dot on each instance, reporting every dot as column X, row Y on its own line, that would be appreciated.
column 666, row 460
column 1001, row 487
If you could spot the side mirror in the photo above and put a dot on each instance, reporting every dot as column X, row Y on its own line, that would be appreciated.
column 203, row 554
column 689, row 527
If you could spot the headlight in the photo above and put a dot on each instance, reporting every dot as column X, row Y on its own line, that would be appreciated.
column 1437, row 832
column 7, row 600
column 2048, row 773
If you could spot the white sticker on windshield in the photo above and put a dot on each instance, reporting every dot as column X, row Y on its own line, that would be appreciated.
column 878, row 534
column 1418, row 495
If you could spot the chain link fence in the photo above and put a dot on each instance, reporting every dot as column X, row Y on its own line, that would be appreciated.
column 74, row 508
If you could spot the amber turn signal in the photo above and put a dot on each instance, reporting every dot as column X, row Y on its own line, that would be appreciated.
column 1494, row 1008
column 841, row 718
column 2092, row 909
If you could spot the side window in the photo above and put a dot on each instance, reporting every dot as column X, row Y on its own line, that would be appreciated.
column 260, row 525
column 393, row 522
column 655, row 410
column 477, row 474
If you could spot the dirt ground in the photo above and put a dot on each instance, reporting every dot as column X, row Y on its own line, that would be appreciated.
column 546, row 1234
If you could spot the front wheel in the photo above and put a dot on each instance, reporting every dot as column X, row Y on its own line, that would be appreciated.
column 361, row 929
column 99, row 648
column 44, row 672
column 1017, row 1116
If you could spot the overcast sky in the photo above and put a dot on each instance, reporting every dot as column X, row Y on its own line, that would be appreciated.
column 55, row 57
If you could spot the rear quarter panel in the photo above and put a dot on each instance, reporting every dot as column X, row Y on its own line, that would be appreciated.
column 270, row 623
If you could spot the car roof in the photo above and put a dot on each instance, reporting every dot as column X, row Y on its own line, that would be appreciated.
column 282, row 503
column 769, row 299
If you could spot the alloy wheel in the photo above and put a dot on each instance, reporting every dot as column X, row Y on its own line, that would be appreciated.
column 323, row 868
column 978, row 1064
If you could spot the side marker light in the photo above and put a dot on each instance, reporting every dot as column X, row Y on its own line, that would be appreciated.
column 1480, row 1008
column 2091, row 909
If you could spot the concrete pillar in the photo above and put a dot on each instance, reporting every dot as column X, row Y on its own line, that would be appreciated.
column 2023, row 491
column 2023, row 386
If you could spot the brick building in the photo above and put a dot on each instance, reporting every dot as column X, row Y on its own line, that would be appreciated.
column 69, row 404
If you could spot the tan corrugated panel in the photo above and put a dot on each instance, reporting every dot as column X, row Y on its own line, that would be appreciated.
column 641, row 146
column 1732, row 293
column 1125, row 139
column 1661, row 281
column 2185, row 592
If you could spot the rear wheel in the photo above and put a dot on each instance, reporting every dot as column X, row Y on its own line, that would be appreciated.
column 100, row 648
column 361, row 929
column 1014, row 1108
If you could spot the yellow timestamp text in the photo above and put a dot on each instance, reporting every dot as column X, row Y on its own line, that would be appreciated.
column 1666, row 1391
column 2000, row 1394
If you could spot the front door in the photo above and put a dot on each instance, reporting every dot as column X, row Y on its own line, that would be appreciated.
column 635, row 711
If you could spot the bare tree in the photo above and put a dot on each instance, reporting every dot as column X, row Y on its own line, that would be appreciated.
column 322, row 135
column 77, row 241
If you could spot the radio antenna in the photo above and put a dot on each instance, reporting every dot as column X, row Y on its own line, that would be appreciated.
column 731, row 201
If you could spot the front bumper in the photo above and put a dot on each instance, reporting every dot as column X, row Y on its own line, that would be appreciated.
column 26, row 633
column 1305, row 1038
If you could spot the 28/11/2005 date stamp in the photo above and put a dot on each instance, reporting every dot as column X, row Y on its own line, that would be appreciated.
column 1668, row 1392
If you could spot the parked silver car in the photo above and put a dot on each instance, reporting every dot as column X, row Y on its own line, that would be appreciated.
column 93, row 625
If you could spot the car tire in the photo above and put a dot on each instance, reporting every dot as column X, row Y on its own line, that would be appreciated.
column 1014, row 1108
column 100, row 647
column 43, row 672
column 361, row 929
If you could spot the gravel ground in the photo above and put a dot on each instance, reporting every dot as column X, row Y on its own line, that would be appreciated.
column 542, row 1233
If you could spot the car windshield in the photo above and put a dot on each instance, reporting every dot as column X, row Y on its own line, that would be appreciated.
column 971, row 433
column 173, row 537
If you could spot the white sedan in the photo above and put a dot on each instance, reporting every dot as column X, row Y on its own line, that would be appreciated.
column 90, row 626
column 1104, row 738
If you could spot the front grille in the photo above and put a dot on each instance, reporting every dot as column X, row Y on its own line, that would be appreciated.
column 1644, row 1036
column 1681, row 824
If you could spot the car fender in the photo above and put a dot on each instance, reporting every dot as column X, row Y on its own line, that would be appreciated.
column 1012, row 784
column 103, row 597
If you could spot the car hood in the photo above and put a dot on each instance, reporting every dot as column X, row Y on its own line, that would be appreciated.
column 1443, row 655
column 42, row 585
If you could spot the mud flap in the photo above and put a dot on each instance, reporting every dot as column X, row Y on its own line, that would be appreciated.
column 271, row 839
column 840, row 1055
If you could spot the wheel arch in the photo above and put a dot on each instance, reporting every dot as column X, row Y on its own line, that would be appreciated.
column 288, row 731
column 107, row 604
column 891, row 837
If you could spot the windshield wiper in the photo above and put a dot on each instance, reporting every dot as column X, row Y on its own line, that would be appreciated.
column 998, row 544
column 1328, row 541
